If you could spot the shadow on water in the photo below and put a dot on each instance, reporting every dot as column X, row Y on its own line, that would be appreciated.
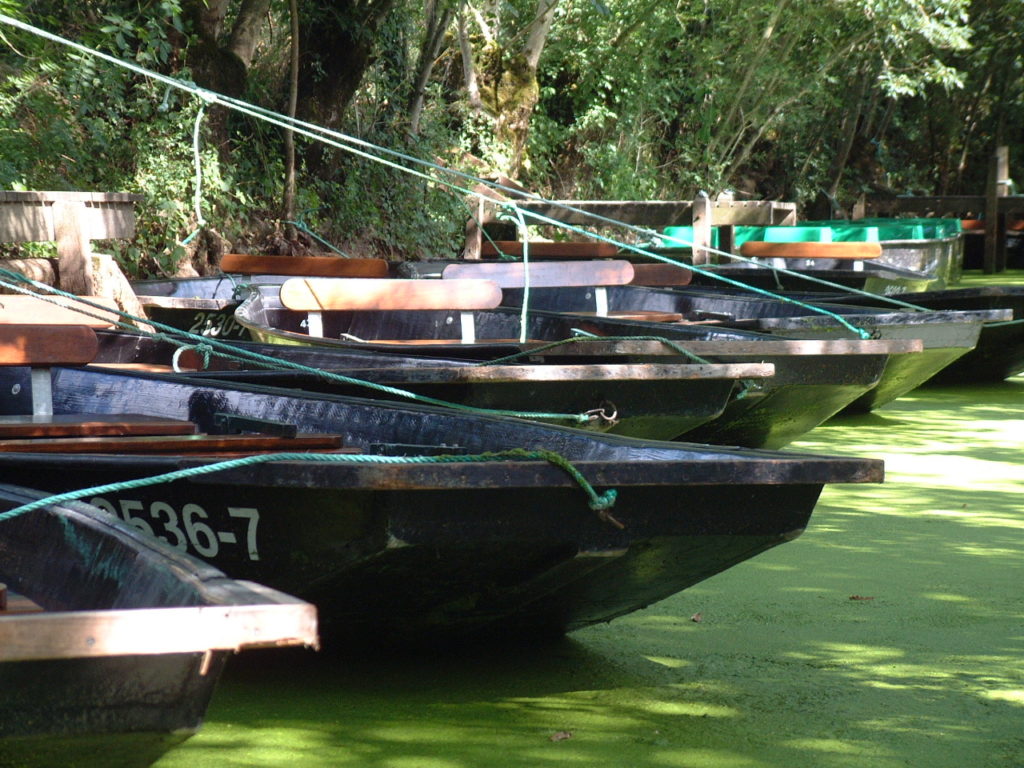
column 890, row 634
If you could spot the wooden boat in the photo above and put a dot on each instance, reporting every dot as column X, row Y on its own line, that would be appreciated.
column 111, row 643
column 927, row 246
column 769, row 414
column 946, row 335
column 654, row 400
column 876, row 278
column 999, row 353
column 206, row 305
column 813, row 379
column 430, row 530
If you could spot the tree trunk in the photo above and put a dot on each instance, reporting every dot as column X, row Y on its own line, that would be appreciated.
column 848, row 132
column 438, row 21
column 219, row 67
column 245, row 33
column 509, row 88
column 289, row 135
column 337, row 49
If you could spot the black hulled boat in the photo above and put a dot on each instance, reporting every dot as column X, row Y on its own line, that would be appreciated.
column 653, row 400
column 999, row 353
column 946, row 335
column 433, row 536
column 111, row 643
column 811, row 382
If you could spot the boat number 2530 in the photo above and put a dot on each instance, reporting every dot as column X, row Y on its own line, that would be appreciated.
column 188, row 527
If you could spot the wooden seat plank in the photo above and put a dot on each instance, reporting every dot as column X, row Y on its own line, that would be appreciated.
column 303, row 266
column 643, row 315
column 656, row 275
column 191, row 444
column 548, row 274
column 758, row 249
column 45, row 345
column 358, row 294
column 20, row 309
column 545, row 250
column 93, row 425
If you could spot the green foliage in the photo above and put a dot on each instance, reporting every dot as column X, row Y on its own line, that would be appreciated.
column 637, row 99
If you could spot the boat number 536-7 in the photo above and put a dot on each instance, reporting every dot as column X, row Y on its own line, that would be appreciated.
column 185, row 528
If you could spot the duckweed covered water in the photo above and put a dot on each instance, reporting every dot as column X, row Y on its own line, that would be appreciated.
column 890, row 634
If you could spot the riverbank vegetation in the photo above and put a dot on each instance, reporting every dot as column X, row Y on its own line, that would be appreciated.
column 814, row 102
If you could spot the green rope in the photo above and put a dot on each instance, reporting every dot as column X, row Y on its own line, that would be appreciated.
column 214, row 346
column 197, row 161
column 301, row 225
column 349, row 144
column 512, row 210
column 600, row 503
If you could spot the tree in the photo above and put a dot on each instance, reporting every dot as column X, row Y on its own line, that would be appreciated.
column 501, row 45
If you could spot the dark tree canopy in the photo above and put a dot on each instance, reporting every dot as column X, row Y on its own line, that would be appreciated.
column 618, row 99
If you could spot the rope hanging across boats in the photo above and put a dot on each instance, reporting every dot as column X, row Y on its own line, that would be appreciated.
column 367, row 150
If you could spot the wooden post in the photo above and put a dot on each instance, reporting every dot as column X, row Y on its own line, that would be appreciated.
column 995, row 222
column 859, row 210
column 75, row 265
column 726, row 239
column 701, row 228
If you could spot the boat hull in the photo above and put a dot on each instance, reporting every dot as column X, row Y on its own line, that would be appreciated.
column 881, row 279
column 88, row 677
column 122, row 712
column 446, row 549
column 770, row 419
column 999, row 352
column 945, row 335
column 657, row 401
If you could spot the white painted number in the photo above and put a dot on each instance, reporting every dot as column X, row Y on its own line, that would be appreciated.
column 128, row 507
column 190, row 530
column 202, row 537
column 170, row 523
column 253, row 516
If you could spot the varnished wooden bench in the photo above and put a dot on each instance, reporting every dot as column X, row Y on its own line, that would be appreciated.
column 185, row 443
column 61, row 311
column 661, row 275
column 856, row 252
column 597, row 275
column 548, row 274
column 42, row 346
column 303, row 266
column 314, row 295
column 12, row 603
